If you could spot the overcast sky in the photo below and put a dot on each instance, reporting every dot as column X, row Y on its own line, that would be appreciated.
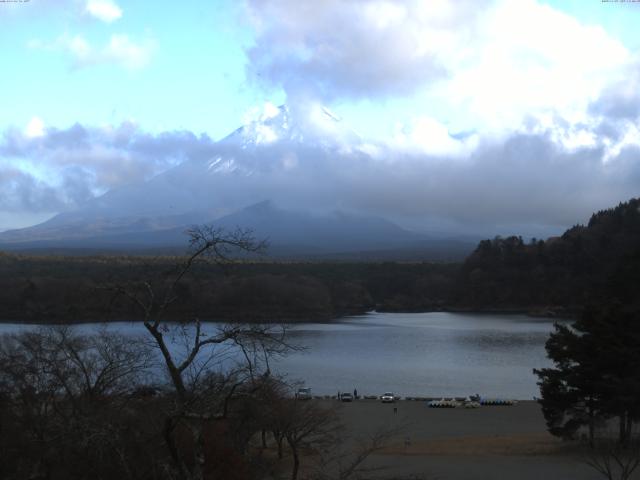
column 495, row 111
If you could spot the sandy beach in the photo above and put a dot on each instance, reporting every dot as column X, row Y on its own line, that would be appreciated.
column 490, row 442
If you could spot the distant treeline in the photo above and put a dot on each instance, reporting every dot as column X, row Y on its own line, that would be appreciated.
column 559, row 275
column 79, row 289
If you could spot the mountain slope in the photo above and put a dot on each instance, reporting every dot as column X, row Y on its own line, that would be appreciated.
column 279, row 156
column 289, row 234
column 330, row 233
column 214, row 181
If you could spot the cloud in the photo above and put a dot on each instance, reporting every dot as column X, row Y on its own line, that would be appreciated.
column 620, row 101
column 119, row 50
column 359, row 48
column 523, row 178
column 105, row 10
column 123, row 50
column 549, row 105
column 20, row 191
column 426, row 135
column 48, row 169
column 546, row 174
column 487, row 63
column 35, row 128
column 535, row 177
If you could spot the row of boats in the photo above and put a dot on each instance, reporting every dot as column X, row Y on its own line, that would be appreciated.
column 469, row 402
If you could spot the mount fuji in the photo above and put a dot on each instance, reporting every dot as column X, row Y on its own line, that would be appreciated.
column 277, row 157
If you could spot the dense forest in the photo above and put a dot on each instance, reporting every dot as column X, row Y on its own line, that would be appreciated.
column 560, row 274
column 556, row 276
column 77, row 289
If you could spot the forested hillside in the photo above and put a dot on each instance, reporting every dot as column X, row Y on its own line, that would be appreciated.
column 559, row 274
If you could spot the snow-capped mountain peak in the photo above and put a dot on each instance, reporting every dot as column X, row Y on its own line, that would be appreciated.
column 271, row 125
column 313, row 125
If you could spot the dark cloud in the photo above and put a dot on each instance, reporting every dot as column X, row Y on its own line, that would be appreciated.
column 20, row 191
column 63, row 168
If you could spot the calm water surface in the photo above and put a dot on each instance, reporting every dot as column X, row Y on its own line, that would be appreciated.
column 430, row 354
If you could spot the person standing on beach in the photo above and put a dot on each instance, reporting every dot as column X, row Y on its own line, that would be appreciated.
column 355, row 394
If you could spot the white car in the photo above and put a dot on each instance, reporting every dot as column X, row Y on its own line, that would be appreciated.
column 388, row 397
column 303, row 394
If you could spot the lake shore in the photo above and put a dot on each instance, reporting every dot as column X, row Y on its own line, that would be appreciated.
column 485, row 443
column 555, row 313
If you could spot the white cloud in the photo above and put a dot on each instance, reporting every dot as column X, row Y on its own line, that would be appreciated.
column 358, row 49
column 105, row 10
column 119, row 50
column 35, row 128
column 426, row 135
column 486, row 64
column 529, row 58
column 79, row 47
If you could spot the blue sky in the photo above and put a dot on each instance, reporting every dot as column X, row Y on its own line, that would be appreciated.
column 437, row 77
column 195, row 77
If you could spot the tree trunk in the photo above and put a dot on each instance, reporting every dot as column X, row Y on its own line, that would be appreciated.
column 592, row 420
column 174, row 373
column 296, row 462
column 198, row 450
column 622, row 438
column 167, row 433
column 278, row 438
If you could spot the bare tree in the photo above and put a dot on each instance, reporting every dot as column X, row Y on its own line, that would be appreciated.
column 64, row 402
column 613, row 460
column 308, row 425
column 345, row 459
column 201, row 397
column 313, row 431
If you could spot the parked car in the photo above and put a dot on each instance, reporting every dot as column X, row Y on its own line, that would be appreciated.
column 303, row 394
column 388, row 397
column 346, row 397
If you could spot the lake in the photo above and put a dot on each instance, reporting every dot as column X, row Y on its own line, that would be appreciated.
column 411, row 354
